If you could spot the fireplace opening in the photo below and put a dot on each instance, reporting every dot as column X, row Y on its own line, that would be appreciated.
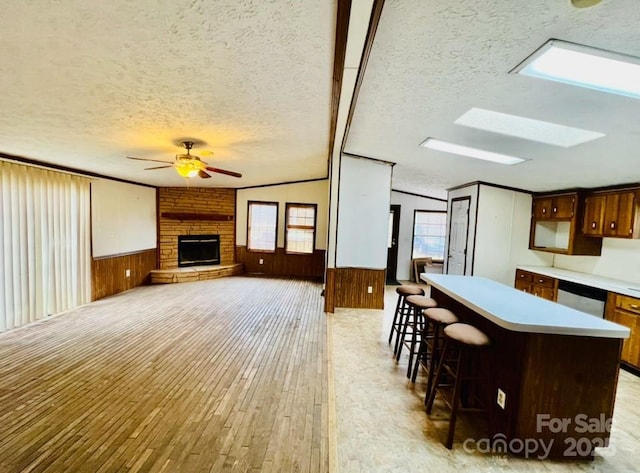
column 198, row 250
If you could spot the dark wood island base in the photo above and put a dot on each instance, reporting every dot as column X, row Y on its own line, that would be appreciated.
column 559, row 389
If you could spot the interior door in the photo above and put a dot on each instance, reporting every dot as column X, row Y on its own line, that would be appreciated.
column 458, row 235
column 392, row 246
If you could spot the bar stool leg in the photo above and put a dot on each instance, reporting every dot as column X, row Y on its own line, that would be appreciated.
column 406, row 314
column 423, row 347
column 456, row 400
column 436, row 353
column 416, row 315
column 394, row 324
column 432, row 393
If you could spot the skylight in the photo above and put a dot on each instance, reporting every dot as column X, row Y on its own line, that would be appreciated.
column 453, row 148
column 584, row 66
column 526, row 128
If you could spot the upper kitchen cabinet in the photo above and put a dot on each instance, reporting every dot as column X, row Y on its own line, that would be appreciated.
column 612, row 214
column 556, row 226
column 556, row 207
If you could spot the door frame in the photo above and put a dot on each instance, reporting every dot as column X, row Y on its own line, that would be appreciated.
column 466, row 239
column 391, row 277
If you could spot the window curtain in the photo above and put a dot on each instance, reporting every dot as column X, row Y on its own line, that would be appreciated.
column 44, row 243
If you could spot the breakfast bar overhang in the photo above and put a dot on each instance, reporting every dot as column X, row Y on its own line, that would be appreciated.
column 557, row 367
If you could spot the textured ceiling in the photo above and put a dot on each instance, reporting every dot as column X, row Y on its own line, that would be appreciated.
column 85, row 84
column 434, row 60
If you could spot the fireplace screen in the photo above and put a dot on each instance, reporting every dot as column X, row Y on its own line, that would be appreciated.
column 198, row 250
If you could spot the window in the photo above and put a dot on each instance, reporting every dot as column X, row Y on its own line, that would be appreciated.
column 300, row 233
column 429, row 229
column 261, row 226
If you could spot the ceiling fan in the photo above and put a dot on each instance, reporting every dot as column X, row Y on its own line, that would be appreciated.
column 189, row 165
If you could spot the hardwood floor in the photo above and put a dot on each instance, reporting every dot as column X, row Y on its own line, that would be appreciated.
column 232, row 375
column 211, row 376
column 382, row 425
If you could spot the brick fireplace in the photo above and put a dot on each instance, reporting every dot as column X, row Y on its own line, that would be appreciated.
column 195, row 211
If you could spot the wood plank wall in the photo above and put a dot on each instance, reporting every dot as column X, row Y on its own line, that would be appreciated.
column 347, row 287
column 281, row 263
column 108, row 274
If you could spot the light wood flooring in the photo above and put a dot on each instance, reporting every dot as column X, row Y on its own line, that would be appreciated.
column 212, row 376
column 382, row 426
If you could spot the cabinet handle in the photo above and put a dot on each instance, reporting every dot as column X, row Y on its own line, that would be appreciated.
column 593, row 224
column 544, row 210
column 535, row 293
column 634, row 306
column 613, row 225
column 555, row 209
column 541, row 280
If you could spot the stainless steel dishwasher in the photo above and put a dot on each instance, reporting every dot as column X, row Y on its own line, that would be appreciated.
column 590, row 300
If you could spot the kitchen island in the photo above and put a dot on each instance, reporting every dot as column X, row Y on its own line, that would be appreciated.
column 557, row 367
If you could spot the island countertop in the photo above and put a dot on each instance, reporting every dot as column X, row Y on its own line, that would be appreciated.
column 521, row 312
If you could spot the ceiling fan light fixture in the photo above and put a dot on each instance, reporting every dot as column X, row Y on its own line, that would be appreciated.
column 187, row 169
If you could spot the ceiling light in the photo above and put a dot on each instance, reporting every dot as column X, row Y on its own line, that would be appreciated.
column 583, row 66
column 526, row 128
column 447, row 147
column 186, row 168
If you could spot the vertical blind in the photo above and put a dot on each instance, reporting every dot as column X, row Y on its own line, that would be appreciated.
column 44, row 243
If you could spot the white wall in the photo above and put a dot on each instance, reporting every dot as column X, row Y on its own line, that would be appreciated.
column 363, row 213
column 316, row 192
column 408, row 205
column 472, row 192
column 620, row 259
column 502, row 235
column 123, row 217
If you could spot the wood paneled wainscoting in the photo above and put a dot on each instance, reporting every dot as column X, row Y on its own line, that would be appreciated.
column 280, row 263
column 348, row 287
column 108, row 274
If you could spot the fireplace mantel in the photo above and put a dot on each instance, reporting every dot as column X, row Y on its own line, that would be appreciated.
column 197, row 216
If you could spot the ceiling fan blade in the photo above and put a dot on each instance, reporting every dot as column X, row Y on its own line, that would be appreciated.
column 224, row 171
column 203, row 174
column 145, row 159
column 158, row 167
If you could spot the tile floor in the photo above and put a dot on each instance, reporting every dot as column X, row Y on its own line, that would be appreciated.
column 382, row 426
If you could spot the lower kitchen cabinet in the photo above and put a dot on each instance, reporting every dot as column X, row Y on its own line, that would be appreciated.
column 537, row 284
column 625, row 310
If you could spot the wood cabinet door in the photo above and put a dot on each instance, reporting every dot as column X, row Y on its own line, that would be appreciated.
column 544, row 292
column 524, row 276
column 630, row 346
column 542, row 207
column 563, row 206
column 619, row 215
column 593, row 220
column 523, row 286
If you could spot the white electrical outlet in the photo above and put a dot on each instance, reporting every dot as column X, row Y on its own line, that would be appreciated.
column 369, row 289
column 261, row 261
column 127, row 273
column 502, row 398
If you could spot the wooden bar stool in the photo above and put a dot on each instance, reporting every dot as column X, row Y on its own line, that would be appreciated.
column 431, row 342
column 402, row 310
column 415, row 321
column 461, row 340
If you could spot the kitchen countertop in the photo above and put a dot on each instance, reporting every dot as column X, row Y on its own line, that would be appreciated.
column 614, row 285
column 521, row 312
